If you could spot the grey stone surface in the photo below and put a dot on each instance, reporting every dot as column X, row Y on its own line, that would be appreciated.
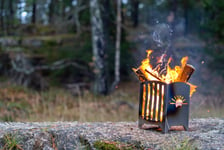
column 203, row 134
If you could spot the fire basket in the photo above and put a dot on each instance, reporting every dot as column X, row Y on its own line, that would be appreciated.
column 164, row 92
column 164, row 104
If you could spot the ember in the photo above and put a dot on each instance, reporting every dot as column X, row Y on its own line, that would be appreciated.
column 164, row 92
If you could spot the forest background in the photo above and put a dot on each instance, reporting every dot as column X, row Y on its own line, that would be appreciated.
column 66, row 60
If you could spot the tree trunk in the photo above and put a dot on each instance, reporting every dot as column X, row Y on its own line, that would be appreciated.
column 77, row 22
column 51, row 12
column 11, row 15
column 117, row 48
column 63, row 10
column 134, row 12
column 34, row 12
column 7, row 19
column 100, row 81
column 106, row 20
column 2, row 17
column 122, row 14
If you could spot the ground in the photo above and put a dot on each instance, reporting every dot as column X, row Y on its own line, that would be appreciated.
column 203, row 134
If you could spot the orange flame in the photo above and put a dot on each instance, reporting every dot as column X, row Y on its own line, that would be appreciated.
column 171, row 75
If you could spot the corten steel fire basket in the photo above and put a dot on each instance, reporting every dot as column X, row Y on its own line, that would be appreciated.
column 164, row 104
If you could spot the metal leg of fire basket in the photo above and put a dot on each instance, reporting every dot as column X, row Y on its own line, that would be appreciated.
column 165, row 127
column 140, row 122
column 186, row 128
column 185, row 122
column 186, row 125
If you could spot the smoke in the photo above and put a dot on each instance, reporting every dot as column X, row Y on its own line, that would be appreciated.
column 162, row 36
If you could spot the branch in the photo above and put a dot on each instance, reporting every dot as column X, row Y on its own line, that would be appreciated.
column 23, row 66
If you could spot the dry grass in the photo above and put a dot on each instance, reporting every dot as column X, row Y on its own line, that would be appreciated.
column 207, row 106
column 21, row 104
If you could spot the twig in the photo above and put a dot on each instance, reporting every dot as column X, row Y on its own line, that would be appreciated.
column 23, row 68
column 153, row 75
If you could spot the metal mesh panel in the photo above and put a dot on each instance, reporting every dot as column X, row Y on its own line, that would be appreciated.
column 152, row 101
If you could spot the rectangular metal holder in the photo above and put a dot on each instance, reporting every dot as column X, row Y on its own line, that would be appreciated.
column 158, row 104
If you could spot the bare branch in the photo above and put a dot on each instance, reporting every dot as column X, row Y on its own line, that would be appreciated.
column 22, row 65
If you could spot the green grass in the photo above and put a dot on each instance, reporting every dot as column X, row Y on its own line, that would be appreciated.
column 11, row 142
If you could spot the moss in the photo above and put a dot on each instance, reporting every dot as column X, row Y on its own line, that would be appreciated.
column 100, row 145
column 110, row 145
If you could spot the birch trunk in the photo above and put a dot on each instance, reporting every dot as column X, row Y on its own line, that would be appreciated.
column 117, row 48
column 100, row 81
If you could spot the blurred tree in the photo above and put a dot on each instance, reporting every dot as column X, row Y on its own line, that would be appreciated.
column 51, row 11
column 98, row 43
column 190, row 8
column 134, row 12
column 107, row 18
column 11, row 14
column 214, row 18
column 117, row 47
column 2, row 15
column 34, row 12
column 80, row 6
column 213, row 33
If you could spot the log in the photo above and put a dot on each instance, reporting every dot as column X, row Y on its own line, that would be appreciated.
column 139, row 74
column 186, row 73
column 154, row 76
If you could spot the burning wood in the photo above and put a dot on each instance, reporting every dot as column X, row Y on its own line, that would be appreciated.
column 166, row 74
column 186, row 73
column 153, row 75
column 139, row 74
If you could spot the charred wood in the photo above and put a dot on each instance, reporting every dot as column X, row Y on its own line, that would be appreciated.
column 139, row 74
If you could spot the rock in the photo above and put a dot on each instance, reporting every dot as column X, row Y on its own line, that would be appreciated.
column 203, row 134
